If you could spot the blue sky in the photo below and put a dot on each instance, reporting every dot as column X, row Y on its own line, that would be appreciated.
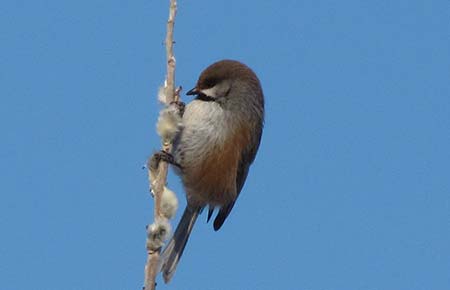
column 350, row 189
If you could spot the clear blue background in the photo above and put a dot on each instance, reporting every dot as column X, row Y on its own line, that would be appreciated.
column 351, row 186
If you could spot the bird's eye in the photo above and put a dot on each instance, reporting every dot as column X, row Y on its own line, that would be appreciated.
column 210, row 82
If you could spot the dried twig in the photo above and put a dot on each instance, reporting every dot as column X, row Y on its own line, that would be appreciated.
column 157, row 185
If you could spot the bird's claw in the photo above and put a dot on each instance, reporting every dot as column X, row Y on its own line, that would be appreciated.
column 153, row 162
column 180, row 107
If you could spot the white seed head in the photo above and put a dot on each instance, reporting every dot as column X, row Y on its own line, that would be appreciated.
column 162, row 94
column 169, row 203
column 157, row 234
column 169, row 123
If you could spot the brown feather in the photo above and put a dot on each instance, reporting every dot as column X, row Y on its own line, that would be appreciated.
column 214, row 182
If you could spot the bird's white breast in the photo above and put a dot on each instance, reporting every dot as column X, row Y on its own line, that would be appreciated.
column 208, row 150
column 206, row 127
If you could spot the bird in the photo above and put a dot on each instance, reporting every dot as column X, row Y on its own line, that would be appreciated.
column 212, row 152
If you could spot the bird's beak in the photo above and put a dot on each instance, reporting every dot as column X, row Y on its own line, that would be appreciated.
column 192, row 92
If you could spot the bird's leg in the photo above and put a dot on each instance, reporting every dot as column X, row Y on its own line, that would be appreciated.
column 180, row 107
column 178, row 104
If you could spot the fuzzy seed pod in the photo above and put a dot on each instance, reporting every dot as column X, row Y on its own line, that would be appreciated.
column 169, row 203
column 158, row 232
column 169, row 123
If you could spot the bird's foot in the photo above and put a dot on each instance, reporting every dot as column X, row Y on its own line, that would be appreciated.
column 180, row 107
column 153, row 162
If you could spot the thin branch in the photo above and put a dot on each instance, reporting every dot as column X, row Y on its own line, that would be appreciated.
column 157, row 185
column 170, row 78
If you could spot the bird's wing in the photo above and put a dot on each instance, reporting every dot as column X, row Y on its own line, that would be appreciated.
column 247, row 157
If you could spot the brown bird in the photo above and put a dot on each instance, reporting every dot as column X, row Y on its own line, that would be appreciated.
column 220, row 135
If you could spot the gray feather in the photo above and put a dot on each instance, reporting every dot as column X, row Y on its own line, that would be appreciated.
column 174, row 249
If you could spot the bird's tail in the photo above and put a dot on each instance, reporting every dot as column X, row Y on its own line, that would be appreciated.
column 174, row 249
